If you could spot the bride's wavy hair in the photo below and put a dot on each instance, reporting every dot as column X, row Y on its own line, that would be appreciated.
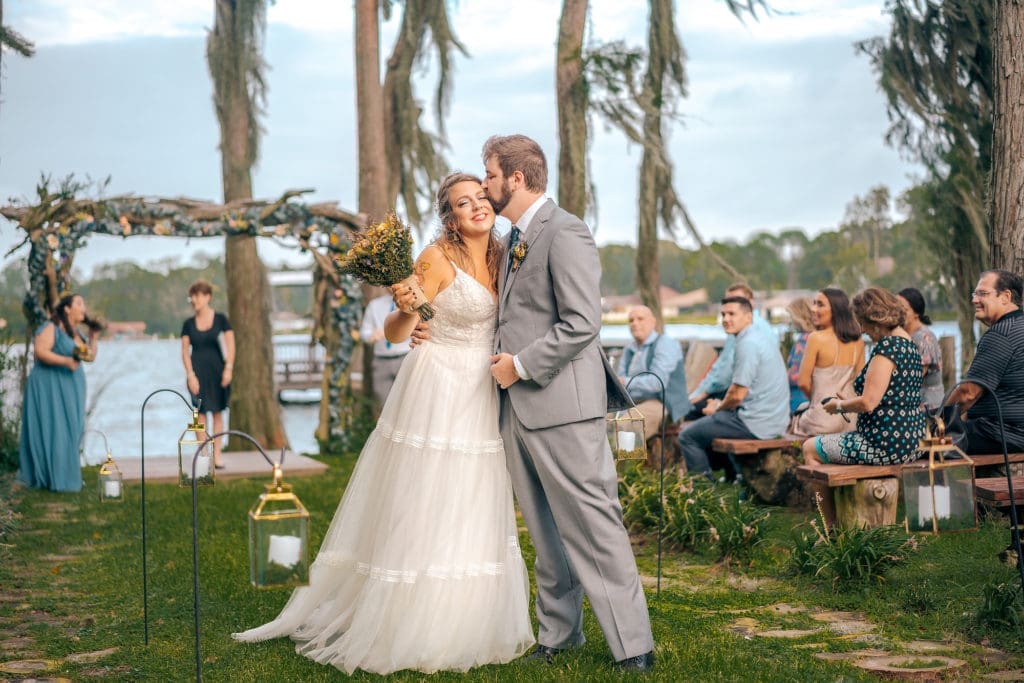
column 448, row 237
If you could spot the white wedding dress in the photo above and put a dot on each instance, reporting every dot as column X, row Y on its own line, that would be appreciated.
column 421, row 567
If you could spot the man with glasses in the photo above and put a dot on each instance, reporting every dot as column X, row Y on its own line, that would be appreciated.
column 997, row 371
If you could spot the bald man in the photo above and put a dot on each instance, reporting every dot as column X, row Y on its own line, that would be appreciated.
column 657, row 353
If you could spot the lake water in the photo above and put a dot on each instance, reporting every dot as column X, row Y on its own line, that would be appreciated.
column 126, row 372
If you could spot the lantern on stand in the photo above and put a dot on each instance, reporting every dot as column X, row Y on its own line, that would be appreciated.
column 938, row 491
column 111, row 481
column 626, row 435
column 278, row 537
column 194, row 436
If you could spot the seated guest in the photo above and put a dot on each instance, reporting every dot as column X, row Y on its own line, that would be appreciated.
column 799, row 310
column 888, row 402
column 719, row 377
column 916, row 325
column 756, row 405
column 997, row 371
column 660, row 354
column 834, row 357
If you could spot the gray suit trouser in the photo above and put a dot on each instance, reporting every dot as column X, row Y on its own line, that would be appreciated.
column 564, row 479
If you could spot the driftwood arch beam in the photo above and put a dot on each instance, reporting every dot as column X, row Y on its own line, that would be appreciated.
column 61, row 221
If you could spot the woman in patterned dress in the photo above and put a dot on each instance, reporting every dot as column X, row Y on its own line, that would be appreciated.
column 888, row 401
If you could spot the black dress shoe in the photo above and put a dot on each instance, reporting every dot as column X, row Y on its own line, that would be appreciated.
column 543, row 653
column 644, row 662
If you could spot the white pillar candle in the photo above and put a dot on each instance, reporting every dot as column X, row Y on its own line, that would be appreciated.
column 112, row 488
column 202, row 466
column 925, row 511
column 284, row 550
column 627, row 441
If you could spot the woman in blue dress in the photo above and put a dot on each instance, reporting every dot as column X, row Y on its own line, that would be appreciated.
column 53, row 414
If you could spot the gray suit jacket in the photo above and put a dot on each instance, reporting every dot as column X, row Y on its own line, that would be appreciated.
column 550, row 316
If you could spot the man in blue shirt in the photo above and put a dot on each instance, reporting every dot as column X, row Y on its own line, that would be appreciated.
column 719, row 377
column 653, row 352
column 756, row 404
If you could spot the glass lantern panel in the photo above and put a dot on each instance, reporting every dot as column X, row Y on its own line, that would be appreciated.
column 959, row 481
column 111, row 486
column 626, row 436
column 941, row 499
column 278, row 550
column 187, row 445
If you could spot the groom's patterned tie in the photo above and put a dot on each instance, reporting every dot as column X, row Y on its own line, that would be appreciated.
column 513, row 240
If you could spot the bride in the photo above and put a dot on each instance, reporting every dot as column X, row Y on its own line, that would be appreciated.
column 421, row 567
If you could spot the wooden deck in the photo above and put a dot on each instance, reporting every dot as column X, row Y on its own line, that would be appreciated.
column 298, row 365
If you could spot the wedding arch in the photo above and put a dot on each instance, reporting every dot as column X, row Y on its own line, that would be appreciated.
column 61, row 221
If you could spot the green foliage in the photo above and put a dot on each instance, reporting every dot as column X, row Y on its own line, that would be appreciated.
column 850, row 558
column 1001, row 605
column 697, row 514
column 792, row 260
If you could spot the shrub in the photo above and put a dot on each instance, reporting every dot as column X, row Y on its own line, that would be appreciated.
column 1001, row 605
column 850, row 557
column 696, row 513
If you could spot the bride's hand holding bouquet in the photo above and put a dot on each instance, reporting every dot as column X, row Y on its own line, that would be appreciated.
column 382, row 256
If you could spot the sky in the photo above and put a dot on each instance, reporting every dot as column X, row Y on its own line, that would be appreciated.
column 783, row 125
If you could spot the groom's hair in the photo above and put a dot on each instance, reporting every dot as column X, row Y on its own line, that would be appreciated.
column 519, row 153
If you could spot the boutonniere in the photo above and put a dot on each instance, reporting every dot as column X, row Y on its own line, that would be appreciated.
column 519, row 254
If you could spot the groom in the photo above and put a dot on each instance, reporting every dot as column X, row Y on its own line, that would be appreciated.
column 556, row 388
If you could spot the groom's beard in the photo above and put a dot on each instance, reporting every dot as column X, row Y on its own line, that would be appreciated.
column 499, row 203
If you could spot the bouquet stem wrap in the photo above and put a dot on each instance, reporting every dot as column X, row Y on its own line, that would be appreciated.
column 420, row 304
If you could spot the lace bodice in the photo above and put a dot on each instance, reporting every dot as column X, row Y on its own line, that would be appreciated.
column 466, row 312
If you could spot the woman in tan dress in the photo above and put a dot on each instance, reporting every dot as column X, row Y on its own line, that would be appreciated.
column 834, row 357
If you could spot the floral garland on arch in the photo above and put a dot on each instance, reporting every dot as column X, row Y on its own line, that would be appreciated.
column 60, row 223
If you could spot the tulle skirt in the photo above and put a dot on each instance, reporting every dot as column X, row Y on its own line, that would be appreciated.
column 421, row 566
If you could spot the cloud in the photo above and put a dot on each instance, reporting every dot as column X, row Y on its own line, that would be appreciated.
column 72, row 22
column 792, row 20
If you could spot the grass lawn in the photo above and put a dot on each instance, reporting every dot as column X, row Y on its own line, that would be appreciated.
column 70, row 572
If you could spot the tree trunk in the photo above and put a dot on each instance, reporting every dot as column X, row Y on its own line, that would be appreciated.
column 1008, row 137
column 375, row 193
column 373, row 175
column 648, row 271
column 572, row 109
column 254, row 407
column 652, row 174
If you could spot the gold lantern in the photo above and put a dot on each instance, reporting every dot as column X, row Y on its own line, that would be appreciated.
column 194, row 436
column 111, row 481
column 938, row 492
column 278, row 537
column 626, row 435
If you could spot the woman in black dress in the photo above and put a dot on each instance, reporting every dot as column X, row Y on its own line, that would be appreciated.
column 208, row 358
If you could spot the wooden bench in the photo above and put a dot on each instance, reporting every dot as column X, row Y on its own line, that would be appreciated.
column 770, row 472
column 994, row 491
column 866, row 495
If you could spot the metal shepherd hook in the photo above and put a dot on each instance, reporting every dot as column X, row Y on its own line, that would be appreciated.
column 661, row 475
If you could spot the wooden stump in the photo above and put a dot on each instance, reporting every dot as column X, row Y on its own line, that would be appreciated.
column 868, row 503
column 772, row 476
